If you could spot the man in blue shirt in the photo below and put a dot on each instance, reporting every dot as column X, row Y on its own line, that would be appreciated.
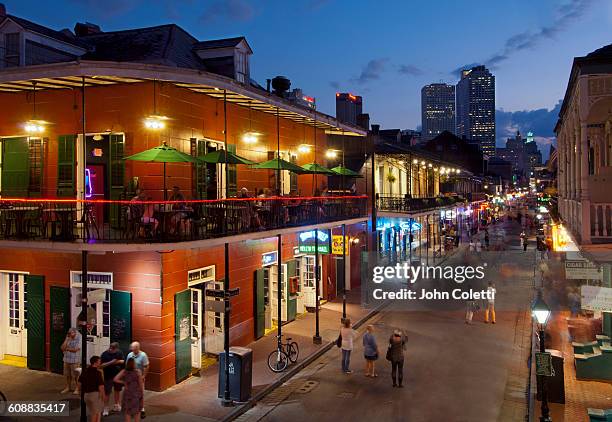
column 142, row 362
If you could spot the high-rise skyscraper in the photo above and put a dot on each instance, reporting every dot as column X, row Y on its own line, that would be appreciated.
column 476, row 108
column 437, row 110
column 348, row 107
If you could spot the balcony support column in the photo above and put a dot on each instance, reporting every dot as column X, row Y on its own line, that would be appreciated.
column 585, row 202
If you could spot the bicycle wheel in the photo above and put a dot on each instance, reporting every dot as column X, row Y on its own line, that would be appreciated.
column 278, row 361
column 294, row 352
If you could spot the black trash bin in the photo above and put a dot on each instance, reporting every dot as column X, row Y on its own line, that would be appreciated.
column 555, row 385
column 240, row 373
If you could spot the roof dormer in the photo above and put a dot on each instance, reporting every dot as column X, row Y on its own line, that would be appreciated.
column 228, row 57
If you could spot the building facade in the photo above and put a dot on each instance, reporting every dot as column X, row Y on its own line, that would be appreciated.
column 348, row 108
column 68, row 186
column 475, row 119
column 437, row 110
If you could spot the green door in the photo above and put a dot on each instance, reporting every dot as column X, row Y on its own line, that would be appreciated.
column 259, row 304
column 15, row 167
column 291, row 300
column 121, row 319
column 66, row 146
column 182, row 335
column 59, row 298
column 35, row 289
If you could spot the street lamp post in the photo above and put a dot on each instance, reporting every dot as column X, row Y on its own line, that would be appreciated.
column 541, row 313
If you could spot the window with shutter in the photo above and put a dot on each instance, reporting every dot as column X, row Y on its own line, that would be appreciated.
column 66, row 166
column 15, row 167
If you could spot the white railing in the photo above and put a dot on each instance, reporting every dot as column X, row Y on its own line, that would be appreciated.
column 601, row 222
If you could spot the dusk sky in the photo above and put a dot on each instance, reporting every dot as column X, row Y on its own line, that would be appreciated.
column 384, row 50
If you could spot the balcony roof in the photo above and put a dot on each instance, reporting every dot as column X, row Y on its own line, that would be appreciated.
column 69, row 75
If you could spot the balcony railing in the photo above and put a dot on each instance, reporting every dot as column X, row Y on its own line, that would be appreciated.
column 108, row 221
column 601, row 222
column 407, row 205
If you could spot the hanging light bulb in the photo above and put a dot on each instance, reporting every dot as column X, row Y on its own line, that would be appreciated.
column 250, row 137
column 155, row 122
column 304, row 148
column 34, row 126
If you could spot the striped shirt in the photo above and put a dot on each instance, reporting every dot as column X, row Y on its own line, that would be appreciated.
column 73, row 357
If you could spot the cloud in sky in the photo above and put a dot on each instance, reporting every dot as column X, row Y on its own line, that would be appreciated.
column 564, row 16
column 372, row 71
column 409, row 69
column 236, row 10
column 335, row 85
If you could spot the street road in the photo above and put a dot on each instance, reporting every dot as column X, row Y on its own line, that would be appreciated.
column 452, row 372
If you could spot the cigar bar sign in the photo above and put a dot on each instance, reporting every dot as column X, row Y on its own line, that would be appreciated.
column 582, row 270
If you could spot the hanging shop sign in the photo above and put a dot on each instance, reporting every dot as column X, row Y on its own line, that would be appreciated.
column 306, row 241
column 270, row 258
column 594, row 298
column 337, row 244
column 582, row 270
column 96, row 296
column 410, row 226
column 448, row 214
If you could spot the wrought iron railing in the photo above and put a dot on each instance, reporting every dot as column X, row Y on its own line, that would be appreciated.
column 109, row 221
column 403, row 204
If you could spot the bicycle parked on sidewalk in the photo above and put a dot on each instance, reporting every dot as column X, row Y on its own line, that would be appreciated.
column 287, row 352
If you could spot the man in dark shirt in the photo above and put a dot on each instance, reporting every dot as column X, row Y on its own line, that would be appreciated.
column 112, row 363
column 91, row 382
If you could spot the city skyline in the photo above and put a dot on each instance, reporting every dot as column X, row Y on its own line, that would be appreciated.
column 519, row 48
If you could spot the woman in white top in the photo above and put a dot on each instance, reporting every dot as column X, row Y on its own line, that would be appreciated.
column 348, row 335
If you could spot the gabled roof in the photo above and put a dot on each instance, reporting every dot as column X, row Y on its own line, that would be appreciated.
column 221, row 43
column 48, row 32
column 165, row 44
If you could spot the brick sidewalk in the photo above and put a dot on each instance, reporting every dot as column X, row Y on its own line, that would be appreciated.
column 195, row 398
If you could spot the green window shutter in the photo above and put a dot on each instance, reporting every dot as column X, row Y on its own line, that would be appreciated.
column 291, row 300
column 116, row 173
column 59, row 301
column 15, row 167
column 66, row 166
column 121, row 318
column 182, row 331
column 35, row 288
column 259, row 305
column 293, row 177
column 36, row 147
column 198, row 149
column 232, row 174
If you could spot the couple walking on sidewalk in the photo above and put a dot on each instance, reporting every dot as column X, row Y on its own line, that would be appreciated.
column 395, row 351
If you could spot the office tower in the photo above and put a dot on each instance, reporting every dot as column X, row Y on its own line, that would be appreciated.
column 437, row 110
column 348, row 107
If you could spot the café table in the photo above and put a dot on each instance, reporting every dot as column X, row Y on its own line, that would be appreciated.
column 65, row 216
column 20, row 213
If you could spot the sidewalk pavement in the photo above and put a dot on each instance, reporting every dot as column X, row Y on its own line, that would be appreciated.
column 195, row 398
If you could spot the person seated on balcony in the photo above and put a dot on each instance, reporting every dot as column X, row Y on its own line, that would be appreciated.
column 136, row 209
column 180, row 208
column 149, row 212
column 244, row 193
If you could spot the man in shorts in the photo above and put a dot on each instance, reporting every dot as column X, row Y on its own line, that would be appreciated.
column 112, row 363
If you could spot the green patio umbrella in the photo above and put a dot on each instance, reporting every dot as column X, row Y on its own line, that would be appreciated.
column 314, row 168
column 162, row 154
column 280, row 164
column 219, row 157
column 344, row 171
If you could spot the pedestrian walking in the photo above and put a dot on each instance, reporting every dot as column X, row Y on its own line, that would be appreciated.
column 490, row 309
column 524, row 240
column 132, row 401
column 348, row 335
column 395, row 354
column 370, row 351
column 486, row 238
column 112, row 363
column 141, row 360
column 91, row 382
column 471, row 308
column 71, row 348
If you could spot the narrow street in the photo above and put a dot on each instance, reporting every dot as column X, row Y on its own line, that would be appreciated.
column 453, row 371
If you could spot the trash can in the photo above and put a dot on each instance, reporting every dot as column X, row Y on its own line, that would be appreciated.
column 555, row 385
column 240, row 373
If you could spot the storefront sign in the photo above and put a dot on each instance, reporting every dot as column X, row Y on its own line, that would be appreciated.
column 217, row 306
column 201, row 275
column 306, row 241
column 410, row 226
column 184, row 329
column 582, row 270
column 448, row 214
column 594, row 298
column 270, row 258
column 337, row 245
column 95, row 280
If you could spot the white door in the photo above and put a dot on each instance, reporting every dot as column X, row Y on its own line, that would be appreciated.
column 300, row 305
column 98, row 322
column 17, row 332
column 308, row 280
column 196, row 328
column 273, row 280
column 213, row 324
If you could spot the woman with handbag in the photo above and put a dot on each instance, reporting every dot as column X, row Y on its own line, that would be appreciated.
column 370, row 351
column 395, row 354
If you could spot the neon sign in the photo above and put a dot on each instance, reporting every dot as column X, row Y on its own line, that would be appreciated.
column 306, row 242
column 88, row 185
